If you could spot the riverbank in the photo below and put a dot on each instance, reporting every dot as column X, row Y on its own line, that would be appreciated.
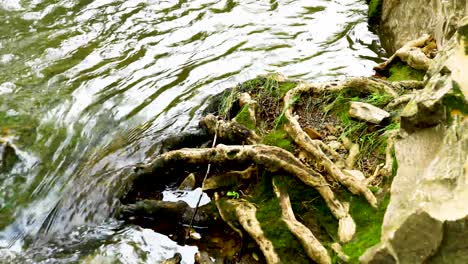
column 319, row 129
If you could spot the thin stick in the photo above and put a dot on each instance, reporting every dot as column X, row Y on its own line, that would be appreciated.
column 187, row 234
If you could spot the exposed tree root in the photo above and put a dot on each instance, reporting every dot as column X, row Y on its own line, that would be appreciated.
column 247, row 153
column 246, row 215
column 314, row 147
column 230, row 178
column 411, row 53
column 272, row 158
column 311, row 245
column 229, row 130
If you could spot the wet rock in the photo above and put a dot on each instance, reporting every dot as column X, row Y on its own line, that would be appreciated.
column 8, row 155
column 203, row 258
column 189, row 183
column 176, row 259
column 367, row 112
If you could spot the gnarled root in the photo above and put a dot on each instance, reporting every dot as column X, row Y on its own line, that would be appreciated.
column 230, row 131
column 411, row 53
column 312, row 246
column 230, row 178
column 272, row 158
column 246, row 215
column 313, row 147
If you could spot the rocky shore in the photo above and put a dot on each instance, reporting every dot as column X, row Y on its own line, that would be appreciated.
column 370, row 170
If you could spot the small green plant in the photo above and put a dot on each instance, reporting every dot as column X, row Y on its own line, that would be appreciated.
column 279, row 138
column 228, row 99
column 233, row 195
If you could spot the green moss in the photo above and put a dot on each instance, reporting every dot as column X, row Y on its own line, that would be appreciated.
column 243, row 117
column 275, row 229
column 375, row 10
column 285, row 243
column 463, row 35
column 456, row 101
column 279, row 138
column 400, row 71
column 307, row 202
column 368, row 226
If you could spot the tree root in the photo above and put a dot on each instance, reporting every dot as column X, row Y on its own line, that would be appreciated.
column 240, row 214
column 311, row 245
column 230, row 131
column 229, row 179
column 272, row 158
column 313, row 147
column 411, row 53
column 246, row 215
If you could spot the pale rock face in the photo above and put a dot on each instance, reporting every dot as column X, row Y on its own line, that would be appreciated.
column 367, row 112
column 427, row 218
column 405, row 20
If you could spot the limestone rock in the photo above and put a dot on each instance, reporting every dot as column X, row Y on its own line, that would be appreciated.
column 378, row 254
column 438, row 18
column 367, row 112
column 427, row 218
column 413, row 246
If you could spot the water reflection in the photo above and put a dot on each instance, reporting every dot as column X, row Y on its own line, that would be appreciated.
column 88, row 87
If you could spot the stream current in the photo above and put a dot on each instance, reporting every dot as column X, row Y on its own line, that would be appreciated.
column 90, row 87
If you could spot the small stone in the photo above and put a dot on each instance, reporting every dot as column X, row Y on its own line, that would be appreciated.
column 332, row 129
column 195, row 235
column 313, row 134
column 189, row 183
column 335, row 145
column 331, row 138
column 203, row 258
column 176, row 259
column 367, row 112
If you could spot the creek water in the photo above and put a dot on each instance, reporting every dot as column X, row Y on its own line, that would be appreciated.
column 90, row 87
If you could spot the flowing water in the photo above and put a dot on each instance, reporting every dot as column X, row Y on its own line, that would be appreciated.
column 88, row 87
